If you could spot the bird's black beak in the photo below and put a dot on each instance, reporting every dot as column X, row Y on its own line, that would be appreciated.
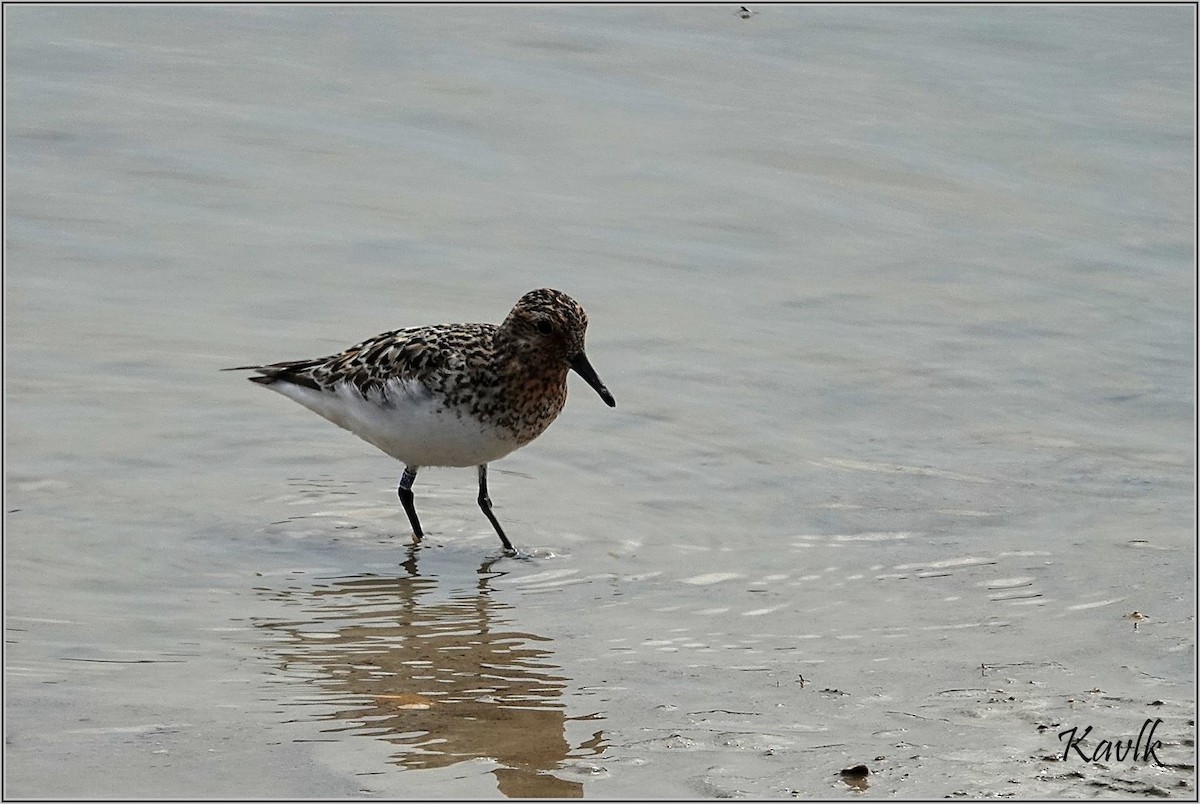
column 584, row 369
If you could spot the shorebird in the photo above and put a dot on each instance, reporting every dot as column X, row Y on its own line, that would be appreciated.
column 449, row 394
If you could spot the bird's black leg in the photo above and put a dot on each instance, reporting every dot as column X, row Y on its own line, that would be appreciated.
column 485, row 503
column 406, row 499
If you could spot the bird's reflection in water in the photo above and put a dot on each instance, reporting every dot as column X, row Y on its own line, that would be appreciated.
column 434, row 673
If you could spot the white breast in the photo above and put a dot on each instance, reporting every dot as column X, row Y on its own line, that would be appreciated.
column 407, row 422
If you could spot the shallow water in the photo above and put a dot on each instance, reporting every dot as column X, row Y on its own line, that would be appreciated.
column 896, row 304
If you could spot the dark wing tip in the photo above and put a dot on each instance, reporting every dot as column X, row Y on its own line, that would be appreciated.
column 271, row 375
column 282, row 372
column 267, row 376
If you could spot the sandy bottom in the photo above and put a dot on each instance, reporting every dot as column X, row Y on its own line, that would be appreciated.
column 336, row 660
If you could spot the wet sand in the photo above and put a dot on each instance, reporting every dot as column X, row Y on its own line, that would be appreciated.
column 896, row 304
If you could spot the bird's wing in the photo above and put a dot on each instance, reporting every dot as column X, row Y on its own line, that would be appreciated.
column 416, row 353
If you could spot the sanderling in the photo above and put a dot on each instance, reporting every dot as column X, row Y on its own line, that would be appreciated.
column 450, row 394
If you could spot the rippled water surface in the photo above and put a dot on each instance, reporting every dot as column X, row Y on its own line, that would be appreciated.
column 896, row 304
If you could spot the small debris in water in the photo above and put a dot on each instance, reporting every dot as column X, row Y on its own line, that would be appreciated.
column 856, row 776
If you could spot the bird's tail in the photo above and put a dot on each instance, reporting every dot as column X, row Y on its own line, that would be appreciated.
column 297, row 372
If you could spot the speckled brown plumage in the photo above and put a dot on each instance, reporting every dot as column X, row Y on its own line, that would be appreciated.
column 509, row 376
column 450, row 394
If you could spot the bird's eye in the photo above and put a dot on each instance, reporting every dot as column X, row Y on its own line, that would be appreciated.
column 545, row 327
